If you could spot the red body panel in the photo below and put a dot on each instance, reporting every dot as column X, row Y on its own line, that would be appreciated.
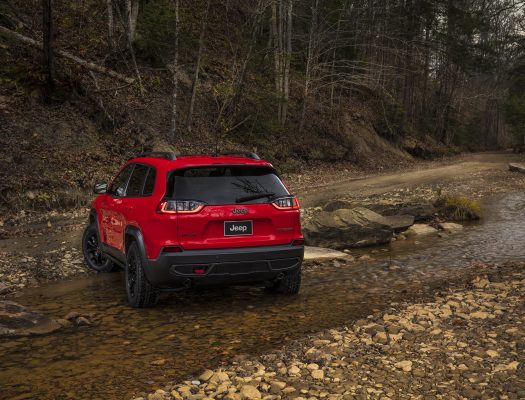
column 202, row 230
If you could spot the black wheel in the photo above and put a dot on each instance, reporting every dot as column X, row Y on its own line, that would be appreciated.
column 289, row 284
column 95, row 258
column 140, row 292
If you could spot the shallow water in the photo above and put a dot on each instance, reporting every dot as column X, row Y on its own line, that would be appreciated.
column 112, row 359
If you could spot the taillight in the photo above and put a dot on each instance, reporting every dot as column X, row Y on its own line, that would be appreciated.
column 180, row 206
column 286, row 203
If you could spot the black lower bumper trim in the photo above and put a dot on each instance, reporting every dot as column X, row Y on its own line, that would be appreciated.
column 223, row 266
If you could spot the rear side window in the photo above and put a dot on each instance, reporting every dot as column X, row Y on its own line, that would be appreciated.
column 149, row 185
column 136, row 182
column 226, row 185
column 118, row 186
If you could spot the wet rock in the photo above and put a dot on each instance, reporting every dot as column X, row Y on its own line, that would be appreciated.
column 72, row 316
column 82, row 321
column 345, row 228
column 321, row 253
column 421, row 230
column 400, row 223
column 17, row 320
column 450, row 227
column 64, row 322
column 514, row 167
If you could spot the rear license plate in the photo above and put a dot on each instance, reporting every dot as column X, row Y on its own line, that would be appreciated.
column 238, row 228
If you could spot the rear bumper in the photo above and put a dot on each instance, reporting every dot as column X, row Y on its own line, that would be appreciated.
column 223, row 266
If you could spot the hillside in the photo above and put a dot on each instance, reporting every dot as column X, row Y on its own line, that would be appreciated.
column 277, row 77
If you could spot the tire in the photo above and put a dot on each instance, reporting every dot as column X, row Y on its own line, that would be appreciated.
column 140, row 292
column 93, row 255
column 289, row 284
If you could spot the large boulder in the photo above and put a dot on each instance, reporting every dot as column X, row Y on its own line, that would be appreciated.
column 16, row 320
column 343, row 228
column 420, row 211
column 399, row 223
column 517, row 168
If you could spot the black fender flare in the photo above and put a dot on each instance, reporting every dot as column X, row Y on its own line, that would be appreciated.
column 93, row 215
column 135, row 232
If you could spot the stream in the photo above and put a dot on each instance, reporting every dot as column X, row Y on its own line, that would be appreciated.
column 126, row 351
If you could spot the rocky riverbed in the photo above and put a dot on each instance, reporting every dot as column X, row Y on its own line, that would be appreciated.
column 465, row 343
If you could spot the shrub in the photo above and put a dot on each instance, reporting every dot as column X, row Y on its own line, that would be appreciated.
column 458, row 208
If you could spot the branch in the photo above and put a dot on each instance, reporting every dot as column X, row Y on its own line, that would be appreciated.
column 86, row 64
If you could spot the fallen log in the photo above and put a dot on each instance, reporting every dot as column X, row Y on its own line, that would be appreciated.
column 517, row 168
column 64, row 54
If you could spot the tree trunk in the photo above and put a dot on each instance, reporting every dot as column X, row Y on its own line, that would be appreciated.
column 111, row 28
column 197, row 67
column 132, row 13
column 48, row 35
column 277, row 56
column 174, row 121
column 309, row 61
column 286, row 71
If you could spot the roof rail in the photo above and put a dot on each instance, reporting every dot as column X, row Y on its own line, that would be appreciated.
column 241, row 153
column 168, row 155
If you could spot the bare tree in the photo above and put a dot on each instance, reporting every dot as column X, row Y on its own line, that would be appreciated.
column 48, row 35
column 310, row 59
column 132, row 13
column 111, row 27
column 175, row 78
column 197, row 67
column 281, row 32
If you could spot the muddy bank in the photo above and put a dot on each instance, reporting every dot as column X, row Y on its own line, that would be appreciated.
column 465, row 343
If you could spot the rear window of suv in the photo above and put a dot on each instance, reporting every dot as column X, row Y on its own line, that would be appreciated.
column 219, row 185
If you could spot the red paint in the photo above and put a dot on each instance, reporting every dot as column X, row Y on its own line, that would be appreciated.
column 203, row 228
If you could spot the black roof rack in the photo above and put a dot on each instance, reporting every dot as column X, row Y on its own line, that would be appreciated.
column 241, row 153
column 168, row 155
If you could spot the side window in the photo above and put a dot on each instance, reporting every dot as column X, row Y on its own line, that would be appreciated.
column 149, row 185
column 118, row 186
column 136, row 182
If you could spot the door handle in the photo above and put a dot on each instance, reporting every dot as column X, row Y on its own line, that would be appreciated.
column 129, row 208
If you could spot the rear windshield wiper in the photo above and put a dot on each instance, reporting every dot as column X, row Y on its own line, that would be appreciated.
column 254, row 197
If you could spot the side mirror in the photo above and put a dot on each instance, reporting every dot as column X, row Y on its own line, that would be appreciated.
column 100, row 188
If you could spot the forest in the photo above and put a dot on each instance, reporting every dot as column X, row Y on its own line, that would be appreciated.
column 361, row 81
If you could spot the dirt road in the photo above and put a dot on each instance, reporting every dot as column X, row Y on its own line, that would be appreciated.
column 471, row 170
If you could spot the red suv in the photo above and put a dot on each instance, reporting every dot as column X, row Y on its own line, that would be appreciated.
column 173, row 222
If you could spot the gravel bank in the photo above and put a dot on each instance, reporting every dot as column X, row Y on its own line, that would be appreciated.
column 466, row 343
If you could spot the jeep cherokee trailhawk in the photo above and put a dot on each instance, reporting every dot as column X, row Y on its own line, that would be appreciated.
column 174, row 222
